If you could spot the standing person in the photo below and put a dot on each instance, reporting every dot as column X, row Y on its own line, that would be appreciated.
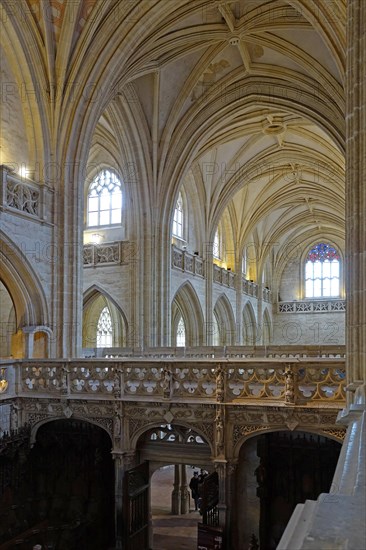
column 203, row 474
column 201, row 478
column 193, row 485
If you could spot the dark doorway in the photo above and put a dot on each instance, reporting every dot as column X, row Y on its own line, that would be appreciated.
column 67, row 488
column 294, row 467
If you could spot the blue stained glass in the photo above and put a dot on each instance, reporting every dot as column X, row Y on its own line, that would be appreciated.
column 322, row 252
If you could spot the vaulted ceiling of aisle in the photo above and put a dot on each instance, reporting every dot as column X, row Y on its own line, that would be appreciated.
column 246, row 97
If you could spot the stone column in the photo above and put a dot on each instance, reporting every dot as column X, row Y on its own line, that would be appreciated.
column 221, row 468
column 176, row 497
column 239, row 302
column 231, row 517
column 209, row 289
column 259, row 330
column 356, row 193
column 184, row 493
column 29, row 341
column 122, row 462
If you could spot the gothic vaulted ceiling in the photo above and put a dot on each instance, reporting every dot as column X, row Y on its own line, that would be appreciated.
column 242, row 99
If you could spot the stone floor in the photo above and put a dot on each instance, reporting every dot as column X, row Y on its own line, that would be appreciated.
column 171, row 532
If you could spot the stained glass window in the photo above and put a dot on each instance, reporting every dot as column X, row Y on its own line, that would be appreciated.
column 322, row 272
column 181, row 334
column 104, row 329
column 105, row 200
column 178, row 218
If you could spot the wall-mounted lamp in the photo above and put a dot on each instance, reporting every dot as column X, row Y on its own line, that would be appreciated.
column 23, row 171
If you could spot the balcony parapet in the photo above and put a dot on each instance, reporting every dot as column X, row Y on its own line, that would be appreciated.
column 218, row 352
column 266, row 295
column 186, row 262
column 26, row 198
column 112, row 253
column 312, row 306
column 288, row 381
column 249, row 287
column 223, row 276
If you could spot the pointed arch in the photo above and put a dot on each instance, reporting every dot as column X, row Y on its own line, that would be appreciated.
column 226, row 321
column 138, row 435
column 23, row 285
column 267, row 329
column 249, row 325
column 95, row 300
column 187, row 303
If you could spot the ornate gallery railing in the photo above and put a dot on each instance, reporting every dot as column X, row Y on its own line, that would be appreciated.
column 217, row 352
column 192, row 263
column 223, row 276
column 249, row 287
column 288, row 381
column 184, row 261
column 312, row 306
column 21, row 196
column 117, row 252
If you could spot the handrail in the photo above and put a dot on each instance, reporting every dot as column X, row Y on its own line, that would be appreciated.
column 290, row 380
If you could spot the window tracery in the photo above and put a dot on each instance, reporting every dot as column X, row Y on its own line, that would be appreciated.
column 104, row 200
column 181, row 333
column 105, row 329
column 322, row 268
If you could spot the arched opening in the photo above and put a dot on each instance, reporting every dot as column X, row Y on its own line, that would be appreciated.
column 186, row 305
column 224, row 317
column 22, row 300
column 7, row 321
column 249, row 325
column 174, row 452
column 63, row 487
column 172, row 528
column 104, row 324
column 276, row 471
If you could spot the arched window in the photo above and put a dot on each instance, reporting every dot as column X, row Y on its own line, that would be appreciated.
column 322, row 272
column 181, row 334
column 178, row 218
column 217, row 252
column 244, row 263
column 104, row 200
column 104, row 329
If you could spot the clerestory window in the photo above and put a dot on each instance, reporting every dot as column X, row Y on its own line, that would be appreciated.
column 104, row 200
column 322, row 268
column 105, row 329
column 178, row 218
column 181, row 333
column 217, row 245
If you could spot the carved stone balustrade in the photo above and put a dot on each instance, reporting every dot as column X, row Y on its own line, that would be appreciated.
column 280, row 381
column 186, row 262
column 249, row 287
column 223, row 276
column 312, row 306
column 212, row 352
column 23, row 197
column 118, row 252
column 266, row 294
